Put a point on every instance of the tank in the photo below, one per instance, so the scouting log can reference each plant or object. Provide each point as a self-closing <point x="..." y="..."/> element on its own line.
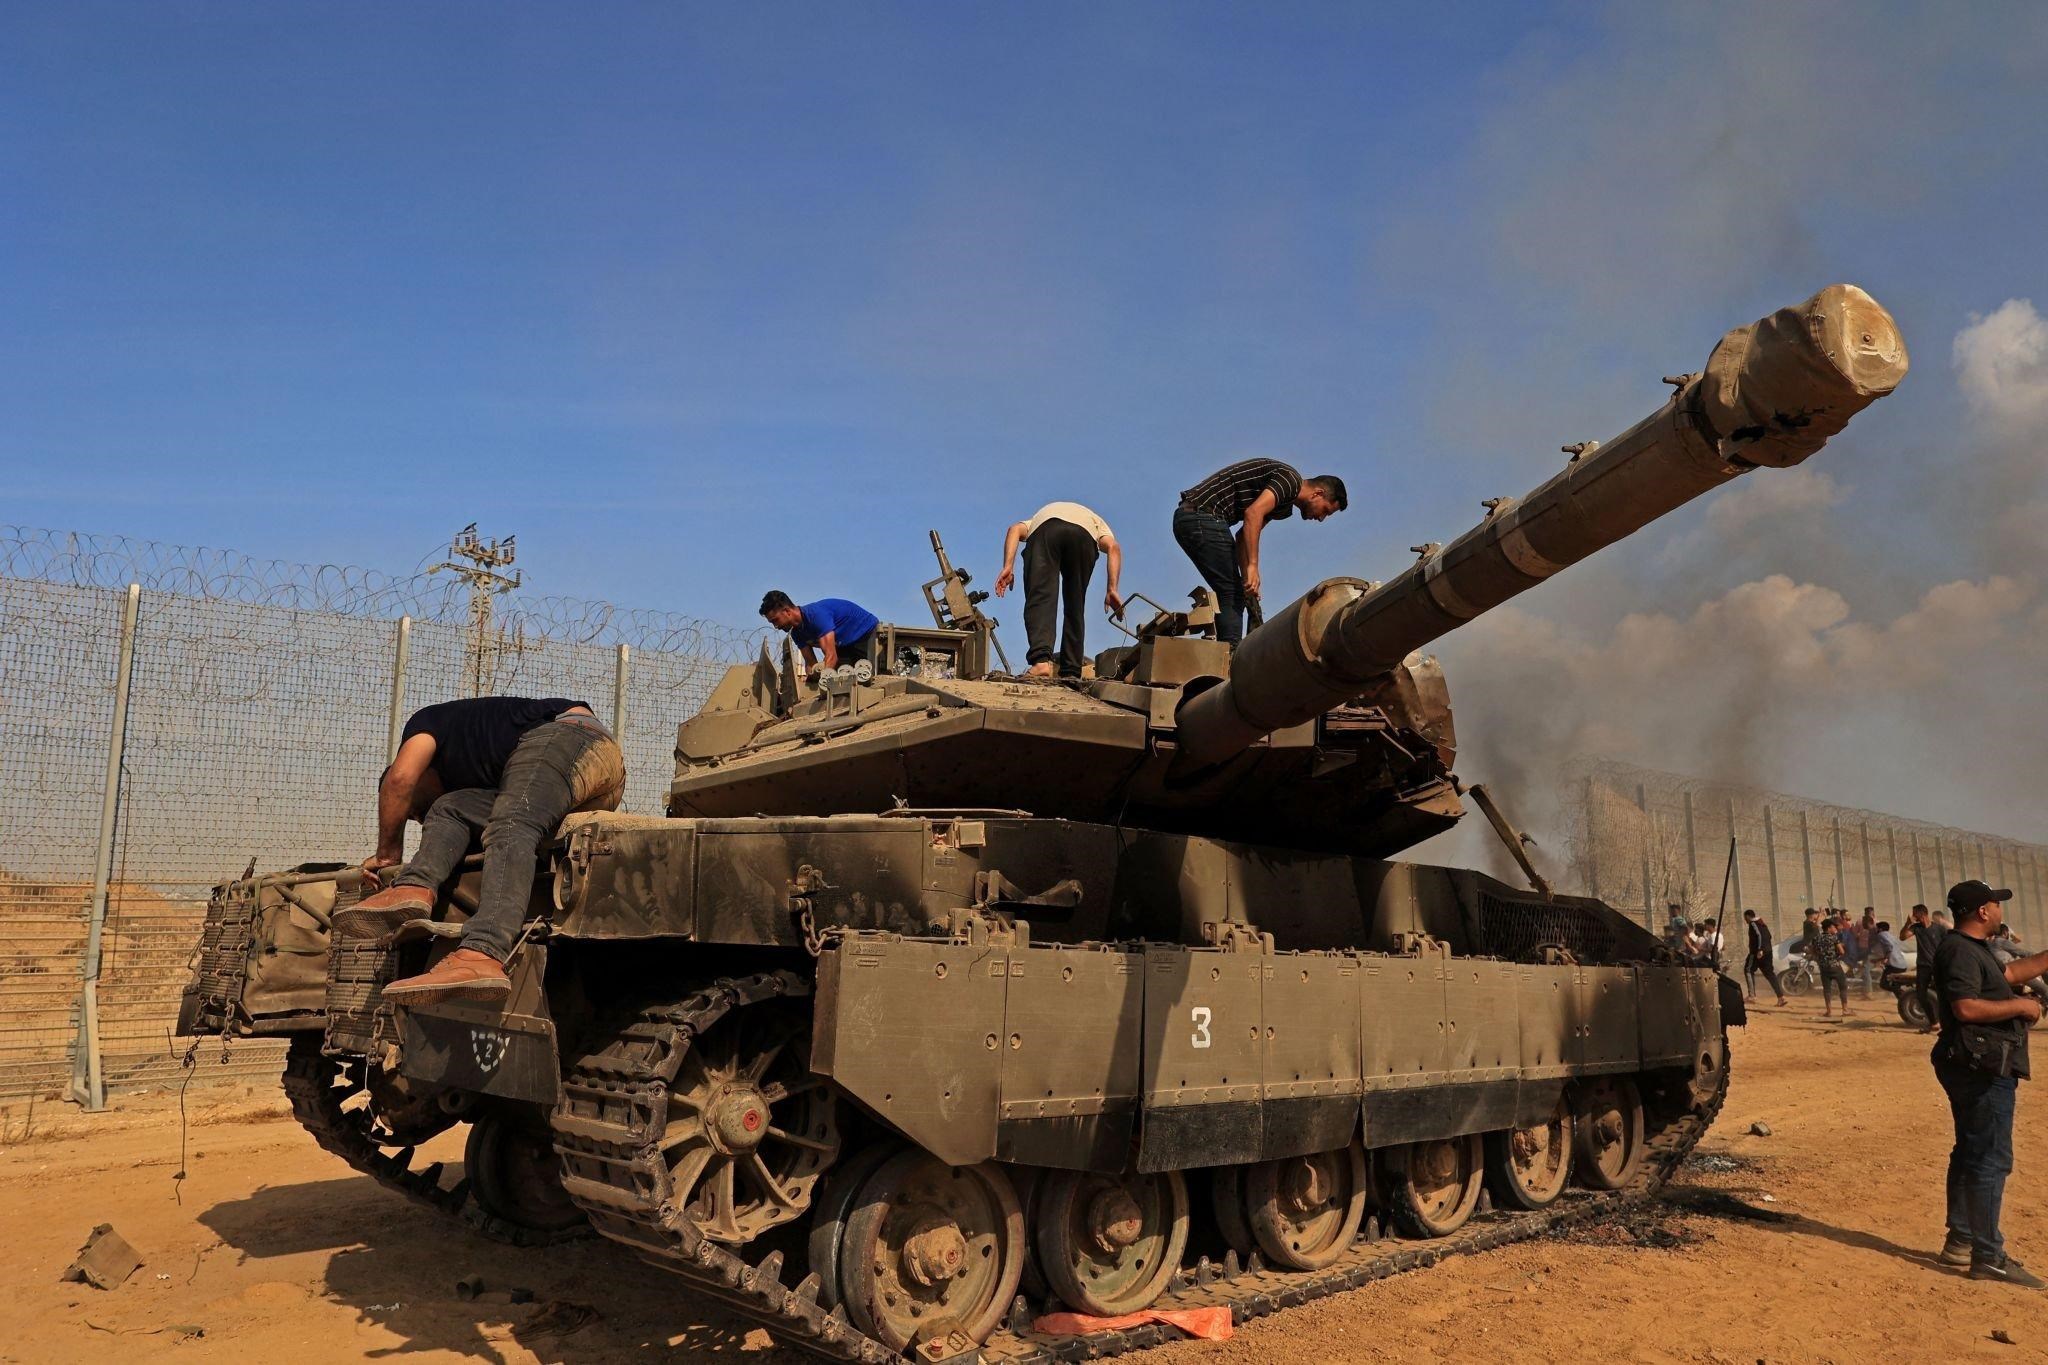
<point x="942" y="1006"/>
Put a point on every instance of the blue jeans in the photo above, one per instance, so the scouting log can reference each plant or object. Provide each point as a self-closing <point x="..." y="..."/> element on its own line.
<point x="1206" y="538"/>
<point x="1982" y="1107"/>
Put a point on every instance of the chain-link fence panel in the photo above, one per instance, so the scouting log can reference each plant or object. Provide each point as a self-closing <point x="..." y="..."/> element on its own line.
<point x="260" y="715"/>
<point x="58" y="644"/>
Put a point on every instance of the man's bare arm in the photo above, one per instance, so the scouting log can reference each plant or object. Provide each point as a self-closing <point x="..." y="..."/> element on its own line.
<point x="1114" y="599"/>
<point x="1012" y="538"/>
<point x="1248" y="537"/>
<point x="395" y="798"/>
<point x="829" y="644"/>
<point x="2021" y="970"/>
<point x="1974" y="1011"/>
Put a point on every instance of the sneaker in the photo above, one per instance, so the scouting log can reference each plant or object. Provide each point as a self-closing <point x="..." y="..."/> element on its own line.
<point x="1955" y="1250"/>
<point x="2006" y="1270"/>
<point x="464" y="974"/>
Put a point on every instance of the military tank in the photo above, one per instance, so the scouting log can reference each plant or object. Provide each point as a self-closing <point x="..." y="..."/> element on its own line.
<point x="940" y="998"/>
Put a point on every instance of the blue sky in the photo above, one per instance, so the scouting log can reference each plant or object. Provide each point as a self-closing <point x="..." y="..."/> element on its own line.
<point x="701" y="300"/>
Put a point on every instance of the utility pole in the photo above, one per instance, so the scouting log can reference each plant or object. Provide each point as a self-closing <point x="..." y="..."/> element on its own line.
<point x="482" y="572"/>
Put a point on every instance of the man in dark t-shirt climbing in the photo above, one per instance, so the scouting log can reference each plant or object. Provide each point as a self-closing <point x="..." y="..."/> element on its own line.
<point x="503" y="769"/>
<point x="1251" y="492"/>
<point x="1980" y="1059"/>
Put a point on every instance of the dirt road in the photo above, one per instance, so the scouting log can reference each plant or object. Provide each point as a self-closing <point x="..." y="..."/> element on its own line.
<point x="271" y="1250"/>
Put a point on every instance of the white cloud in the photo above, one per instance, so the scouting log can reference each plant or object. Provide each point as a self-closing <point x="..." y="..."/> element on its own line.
<point x="2001" y="362"/>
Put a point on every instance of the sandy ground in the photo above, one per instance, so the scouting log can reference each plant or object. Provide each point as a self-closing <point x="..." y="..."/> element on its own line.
<point x="272" y="1250"/>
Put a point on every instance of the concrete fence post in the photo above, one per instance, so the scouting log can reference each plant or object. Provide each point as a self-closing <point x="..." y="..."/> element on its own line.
<point x="401" y="652"/>
<point x="621" y="668"/>
<point x="1869" y="877"/>
<point x="1919" y="871"/>
<point x="1771" y="865"/>
<point x="1841" y="896"/>
<point x="1592" y="846"/>
<point x="1806" y="856"/>
<point x="1649" y="838"/>
<point x="1692" y="850"/>
<point x="88" y="1082"/>
<point x="1734" y="866"/>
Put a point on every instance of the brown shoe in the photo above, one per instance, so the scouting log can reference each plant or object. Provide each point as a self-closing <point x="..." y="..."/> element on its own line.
<point x="373" y="917"/>
<point x="416" y="901"/>
<point x="464" y="974"/>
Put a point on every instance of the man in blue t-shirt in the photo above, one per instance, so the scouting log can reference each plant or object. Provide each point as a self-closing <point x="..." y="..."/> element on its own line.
<point x="831" y="626"/>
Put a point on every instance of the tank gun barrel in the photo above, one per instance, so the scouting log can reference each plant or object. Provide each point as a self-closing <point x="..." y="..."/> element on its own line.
<point x="1772" y="394"/>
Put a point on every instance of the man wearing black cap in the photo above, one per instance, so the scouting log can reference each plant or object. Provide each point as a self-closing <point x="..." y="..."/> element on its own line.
<point x="1980" y="1060"/>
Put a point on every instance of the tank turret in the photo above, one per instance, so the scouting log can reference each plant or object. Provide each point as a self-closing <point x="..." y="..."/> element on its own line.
<point x="1326" y="729"/>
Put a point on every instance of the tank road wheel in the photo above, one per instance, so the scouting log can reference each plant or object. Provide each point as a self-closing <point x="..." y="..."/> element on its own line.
<point x="1610" y="1132"/>
<point x="513" y="1170"/>
<point x="1528" y="1168"/>
<point x="750" y="1129"/>
<point x="1027" y="1181"/>
<point x="931" y="1249"/>
<point x="1226" y="1201"/>
<point x="1305" y="1210"/>
<point x="831" y="1208"/>
<point x="1109" y="1244"/>
<point x="1432" y="1187"/>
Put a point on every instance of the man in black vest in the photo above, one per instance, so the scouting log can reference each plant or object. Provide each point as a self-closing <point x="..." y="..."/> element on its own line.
<point x="1980" y="1059"/>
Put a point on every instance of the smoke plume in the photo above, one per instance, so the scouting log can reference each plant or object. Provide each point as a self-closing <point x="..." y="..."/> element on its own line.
<point x="1922" y="699"/>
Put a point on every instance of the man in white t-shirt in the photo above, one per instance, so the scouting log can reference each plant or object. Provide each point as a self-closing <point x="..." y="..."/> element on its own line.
<point x="1061" y="542"/>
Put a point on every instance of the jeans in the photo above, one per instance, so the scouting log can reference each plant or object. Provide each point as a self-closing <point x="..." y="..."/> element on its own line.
<point x="1059" y="559"/>
<point x="559" y="767"/>
<point x="1834" y="979"/>
<point x="1982" y="1107"/>
<point x="1206" y="538"/>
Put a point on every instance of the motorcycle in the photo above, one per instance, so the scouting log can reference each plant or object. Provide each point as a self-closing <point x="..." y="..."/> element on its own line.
<point x="1913" y="1010"/>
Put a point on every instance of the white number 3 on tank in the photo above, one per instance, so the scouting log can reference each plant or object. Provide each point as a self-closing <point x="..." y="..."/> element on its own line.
<point x="1201" y="1016"/>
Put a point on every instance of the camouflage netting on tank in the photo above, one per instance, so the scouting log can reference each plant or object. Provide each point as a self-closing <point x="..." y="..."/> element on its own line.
<point x="258" y="720"/>
<point x="1631" y="828"/>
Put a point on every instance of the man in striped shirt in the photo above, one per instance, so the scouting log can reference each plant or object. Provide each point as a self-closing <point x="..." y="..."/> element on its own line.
<point x="1251" y="492"/>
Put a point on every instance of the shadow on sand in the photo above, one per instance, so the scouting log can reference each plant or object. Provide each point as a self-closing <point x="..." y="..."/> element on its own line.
<point x="396" y="1263"/>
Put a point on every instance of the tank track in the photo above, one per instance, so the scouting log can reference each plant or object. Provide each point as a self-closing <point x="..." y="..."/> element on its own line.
<point x="318" y="1106"/>
<point x="613" y="1111"/>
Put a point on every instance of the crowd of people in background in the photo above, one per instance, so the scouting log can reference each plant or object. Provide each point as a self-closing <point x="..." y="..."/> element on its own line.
<point x="1976" y="985"/>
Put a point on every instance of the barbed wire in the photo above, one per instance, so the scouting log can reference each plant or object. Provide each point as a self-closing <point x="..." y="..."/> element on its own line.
<point x="70" y="558"/>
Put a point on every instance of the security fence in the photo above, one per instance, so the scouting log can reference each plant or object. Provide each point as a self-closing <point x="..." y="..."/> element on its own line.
<point x="261" y="707"/>
<point x="1642" y="840"/>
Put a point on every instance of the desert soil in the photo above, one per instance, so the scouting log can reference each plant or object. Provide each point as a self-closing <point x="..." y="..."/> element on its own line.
<point x="271" y="1250"/>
